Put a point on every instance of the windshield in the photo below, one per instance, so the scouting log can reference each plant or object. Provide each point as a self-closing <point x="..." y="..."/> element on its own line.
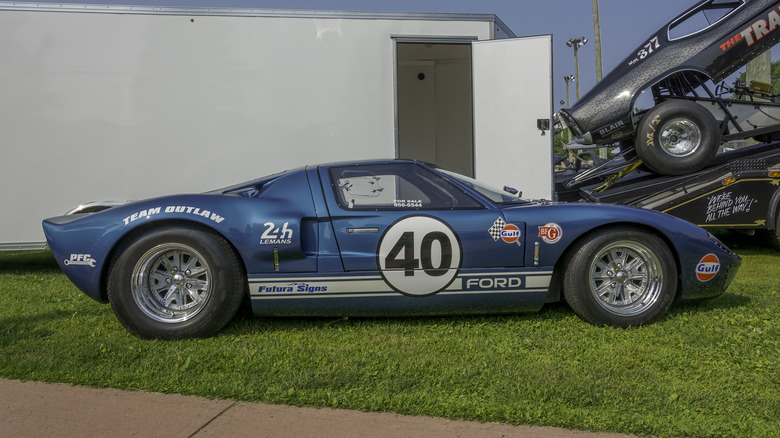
<point x="494" y="194"/>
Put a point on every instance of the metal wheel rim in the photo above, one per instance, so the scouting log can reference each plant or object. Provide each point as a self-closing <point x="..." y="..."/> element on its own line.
<point x="626" y="278"/>
<point x="680" y="137"/>
<point x="171" y="283"/>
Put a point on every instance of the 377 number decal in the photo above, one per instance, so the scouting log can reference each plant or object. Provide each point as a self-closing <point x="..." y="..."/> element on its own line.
<point x="648" y="48"/>
<point x="419" y="255"/>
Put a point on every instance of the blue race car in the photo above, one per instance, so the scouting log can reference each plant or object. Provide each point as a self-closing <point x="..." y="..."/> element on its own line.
<point x="393" y="237"/>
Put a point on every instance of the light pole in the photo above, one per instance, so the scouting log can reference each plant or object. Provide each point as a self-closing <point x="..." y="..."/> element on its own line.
<point x="577" y="43"/>
<point x="568" y="78"/>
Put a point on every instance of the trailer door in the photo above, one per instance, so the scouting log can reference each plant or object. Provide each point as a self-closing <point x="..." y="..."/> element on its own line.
<point x="512" y="92"/>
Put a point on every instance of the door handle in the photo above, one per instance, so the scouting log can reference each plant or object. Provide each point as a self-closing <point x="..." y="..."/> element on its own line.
<point x="363" y="230"/>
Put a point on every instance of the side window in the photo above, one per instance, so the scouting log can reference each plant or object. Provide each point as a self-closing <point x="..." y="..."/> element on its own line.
<point x="395" y="186"/>
<point x="704" y="17"/>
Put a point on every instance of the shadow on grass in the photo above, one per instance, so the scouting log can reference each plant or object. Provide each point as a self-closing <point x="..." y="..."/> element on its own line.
<point x="724" y="302"/>
<point x="23" y="262"/>
<point x="245" y="322"/>
<point x="16" y="329"/>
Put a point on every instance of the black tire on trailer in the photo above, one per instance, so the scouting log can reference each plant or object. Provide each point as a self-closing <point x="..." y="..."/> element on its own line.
<point x="773" y="236"/>
<point x="621" y="277"/>
<point x="677" y="137"/>
<point x="175" y="282"/>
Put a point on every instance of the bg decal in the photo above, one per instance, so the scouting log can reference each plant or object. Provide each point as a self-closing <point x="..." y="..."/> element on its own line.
<point x="551" y="232"/>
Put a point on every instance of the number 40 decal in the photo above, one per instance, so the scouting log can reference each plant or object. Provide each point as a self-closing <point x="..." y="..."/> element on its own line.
<point x="419" y="255"/>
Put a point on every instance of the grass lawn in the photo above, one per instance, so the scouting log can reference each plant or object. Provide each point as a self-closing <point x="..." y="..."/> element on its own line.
<point x="707" y="369"/>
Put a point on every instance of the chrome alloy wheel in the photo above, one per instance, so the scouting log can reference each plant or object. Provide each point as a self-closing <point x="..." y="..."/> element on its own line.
<point x="626" y="278"/>
<point x="680" y="137"/>
<point x="171" y="283"/>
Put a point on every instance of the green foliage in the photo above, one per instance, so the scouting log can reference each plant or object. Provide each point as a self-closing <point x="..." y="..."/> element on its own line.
<point x="707" y="369"/>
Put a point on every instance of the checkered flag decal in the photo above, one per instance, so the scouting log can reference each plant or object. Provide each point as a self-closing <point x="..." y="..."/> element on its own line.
<point x="495" y="230"/>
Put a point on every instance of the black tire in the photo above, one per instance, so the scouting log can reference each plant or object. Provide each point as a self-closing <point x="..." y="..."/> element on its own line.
<point x="677" y="137"/>
<point x="621" y="277"/>
<point x="773" y="236"/>
<point x="174" y="283"/>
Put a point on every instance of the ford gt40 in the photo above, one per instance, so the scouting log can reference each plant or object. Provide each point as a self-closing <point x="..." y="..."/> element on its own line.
<point x="380" y="238"/>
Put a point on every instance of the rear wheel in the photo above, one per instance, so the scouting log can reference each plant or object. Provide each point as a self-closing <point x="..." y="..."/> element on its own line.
<point x="175" y="283"/>
<point x="623" y="277"/>
<point x="677" y="137"/>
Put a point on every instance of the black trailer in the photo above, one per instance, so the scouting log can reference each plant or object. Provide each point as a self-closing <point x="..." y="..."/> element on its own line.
<point x="738" y="190"/>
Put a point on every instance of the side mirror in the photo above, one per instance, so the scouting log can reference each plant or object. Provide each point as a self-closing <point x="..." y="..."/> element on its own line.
<point x="513" y="191"/>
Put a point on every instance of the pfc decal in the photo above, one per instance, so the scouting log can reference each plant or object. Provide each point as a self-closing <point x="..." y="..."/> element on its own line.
<point x="551" y="232"/>
<point x="273" y="235"/>
<point x="510" y="234"/>
<point x="707" y="268"/>
<point x="419" y="255"/>
<point x="81" y="259"/>
<point x="149" y="212"/>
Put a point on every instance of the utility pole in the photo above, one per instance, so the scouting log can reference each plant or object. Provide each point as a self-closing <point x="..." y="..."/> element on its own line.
<point x="597" y="43"/>
<point x="597" y="39"/>
<point x="759" y="70"/>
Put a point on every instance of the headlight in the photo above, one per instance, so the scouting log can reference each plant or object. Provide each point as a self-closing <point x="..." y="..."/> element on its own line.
<point x="720" y="244"/>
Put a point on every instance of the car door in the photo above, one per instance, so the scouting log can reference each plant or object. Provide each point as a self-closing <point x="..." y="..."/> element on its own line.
<point x="415" y="227"/>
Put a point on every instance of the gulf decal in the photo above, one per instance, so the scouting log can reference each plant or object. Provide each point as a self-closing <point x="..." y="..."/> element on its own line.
<point x="551" y="232"/>
<point x="510" y="233"/>
<point x="708" y="267"/>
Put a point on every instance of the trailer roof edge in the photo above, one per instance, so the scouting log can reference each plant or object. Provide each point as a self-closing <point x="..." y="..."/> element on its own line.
<point x="246" y="12"/>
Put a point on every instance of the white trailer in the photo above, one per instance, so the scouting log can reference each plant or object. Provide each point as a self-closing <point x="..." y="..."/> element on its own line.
<point x="120" y="102"/>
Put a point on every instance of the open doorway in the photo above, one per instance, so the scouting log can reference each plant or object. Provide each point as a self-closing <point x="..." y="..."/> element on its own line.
<point x="434" y="110"/>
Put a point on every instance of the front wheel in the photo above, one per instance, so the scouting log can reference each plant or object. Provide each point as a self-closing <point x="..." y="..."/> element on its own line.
<point x="622" y="278"/>
<point x="677" y="137"/>
<point x="175" y="283"/>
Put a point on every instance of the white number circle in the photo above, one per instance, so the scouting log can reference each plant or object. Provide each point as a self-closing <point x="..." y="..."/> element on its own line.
<point x="419" y="255"/>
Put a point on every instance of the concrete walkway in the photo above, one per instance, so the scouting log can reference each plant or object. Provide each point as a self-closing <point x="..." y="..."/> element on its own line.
<point x="32" y="409"/>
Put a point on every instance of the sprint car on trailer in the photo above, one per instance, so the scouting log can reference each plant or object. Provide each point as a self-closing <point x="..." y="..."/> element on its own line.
<point x="393" y="237"/>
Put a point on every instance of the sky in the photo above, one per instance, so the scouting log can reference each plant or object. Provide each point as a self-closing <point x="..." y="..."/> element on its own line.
<point x="625" y="24"/>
